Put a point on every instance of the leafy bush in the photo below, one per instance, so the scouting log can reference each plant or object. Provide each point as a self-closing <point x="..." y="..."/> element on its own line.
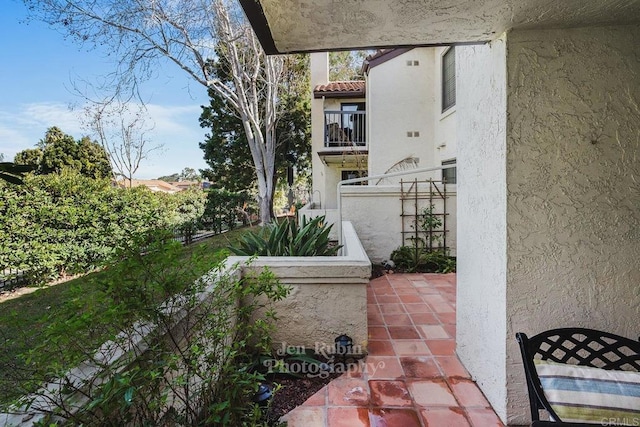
<point x="416" y="259"/>
<point x="67" y="223"/>
<point x="287" y="238"/>
<point x="192" y="370"/>
<point x="221" y="210"/>
<point x="186" y="209"/>
<point x="25" y="322"/>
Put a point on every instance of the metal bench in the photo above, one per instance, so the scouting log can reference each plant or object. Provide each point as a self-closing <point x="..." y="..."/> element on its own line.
<point x="571" y="349"/>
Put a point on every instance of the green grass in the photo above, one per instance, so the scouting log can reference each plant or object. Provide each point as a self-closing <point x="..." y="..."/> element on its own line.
<point x="77" y="315"/>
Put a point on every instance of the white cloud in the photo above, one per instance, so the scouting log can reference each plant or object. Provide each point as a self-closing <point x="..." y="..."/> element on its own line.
<point x="175" y="127"/>
<point x="174" y="119"/>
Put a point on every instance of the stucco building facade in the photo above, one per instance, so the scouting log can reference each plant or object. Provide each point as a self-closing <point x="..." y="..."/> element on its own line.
<point x="393" y="120"/>
<point x="547" y="140"/>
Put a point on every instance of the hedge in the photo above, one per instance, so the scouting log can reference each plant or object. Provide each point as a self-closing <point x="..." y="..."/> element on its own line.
<point x="66" y="223"/>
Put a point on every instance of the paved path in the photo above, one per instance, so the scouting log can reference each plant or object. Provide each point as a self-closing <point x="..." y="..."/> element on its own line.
<point x="412" y="377"/>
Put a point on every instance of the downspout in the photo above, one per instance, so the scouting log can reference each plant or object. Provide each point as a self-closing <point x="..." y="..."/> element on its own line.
<point x="371" y="178"/>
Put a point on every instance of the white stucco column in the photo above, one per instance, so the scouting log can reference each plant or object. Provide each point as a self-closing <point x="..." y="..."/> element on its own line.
<point x="319" y="64"/>
<point x="548" y="195"/>
<point x="482" y="212"/>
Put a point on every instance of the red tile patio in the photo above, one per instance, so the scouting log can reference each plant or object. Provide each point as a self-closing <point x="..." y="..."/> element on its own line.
<point x="411" y="377"/>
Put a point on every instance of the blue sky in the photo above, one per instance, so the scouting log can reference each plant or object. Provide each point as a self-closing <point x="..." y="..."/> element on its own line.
<point x="38" y="67"/>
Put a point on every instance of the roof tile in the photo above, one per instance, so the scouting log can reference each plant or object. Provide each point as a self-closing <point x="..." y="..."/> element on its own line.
<point x="355" y="88"/>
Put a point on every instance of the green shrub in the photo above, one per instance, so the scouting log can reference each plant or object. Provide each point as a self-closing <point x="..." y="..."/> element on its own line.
<point x="287" y="238"/>
<point x="186" y="209"/>
<point x="193" y="371"/>
<point x="221" y="210"/>
<point x="67" y="223"/>
<point x="417" y="259"/>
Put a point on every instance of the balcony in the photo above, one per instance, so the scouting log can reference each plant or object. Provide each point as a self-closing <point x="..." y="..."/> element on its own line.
<point x="345" y="129"/>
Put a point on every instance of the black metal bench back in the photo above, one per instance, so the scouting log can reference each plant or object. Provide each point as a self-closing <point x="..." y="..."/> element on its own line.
<point x="574" y="346"/>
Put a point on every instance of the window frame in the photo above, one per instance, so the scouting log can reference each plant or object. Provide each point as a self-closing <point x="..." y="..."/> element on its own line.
<point x="448" y="78"/>
<point x="454" y="171"/>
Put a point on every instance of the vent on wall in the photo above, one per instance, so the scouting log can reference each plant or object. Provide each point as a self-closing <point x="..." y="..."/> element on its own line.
<point x="412" y="63"/>
<point x="413" y="134"/>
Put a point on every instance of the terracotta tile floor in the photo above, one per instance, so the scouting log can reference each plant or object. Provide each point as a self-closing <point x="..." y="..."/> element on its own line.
<point x="411" y="377"/>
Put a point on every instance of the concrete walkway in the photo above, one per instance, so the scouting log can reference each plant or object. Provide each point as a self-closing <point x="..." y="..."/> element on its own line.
<point x="412" y="377"/>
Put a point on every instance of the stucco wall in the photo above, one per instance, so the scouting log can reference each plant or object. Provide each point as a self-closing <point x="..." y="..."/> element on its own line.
<point x="400" y="99"/>
<point x="328" y="295"/>
<point x="573" y="191"/>
<point x="319" y="64"/>
<point x="375" y="211"/>
<point x="375" y="214"/>
<point x="482" y="252"/>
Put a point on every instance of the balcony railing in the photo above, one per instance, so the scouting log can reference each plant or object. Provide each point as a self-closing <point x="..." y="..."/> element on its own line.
<point x="345" y="129"/>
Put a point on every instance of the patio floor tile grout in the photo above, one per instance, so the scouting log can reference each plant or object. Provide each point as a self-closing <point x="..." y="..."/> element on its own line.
<point x="412" y="376"/>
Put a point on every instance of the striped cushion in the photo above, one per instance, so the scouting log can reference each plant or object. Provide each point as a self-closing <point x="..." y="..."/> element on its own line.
<point x="591" y="395"/>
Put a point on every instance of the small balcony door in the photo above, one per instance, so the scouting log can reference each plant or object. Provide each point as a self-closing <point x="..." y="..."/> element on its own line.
<point x="354" y="124"/>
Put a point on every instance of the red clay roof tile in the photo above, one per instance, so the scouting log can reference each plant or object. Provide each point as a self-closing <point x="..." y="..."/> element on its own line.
<point x="355" y="88"/>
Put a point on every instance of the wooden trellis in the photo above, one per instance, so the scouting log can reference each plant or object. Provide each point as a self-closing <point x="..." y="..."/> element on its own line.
<point x="424" y="214"/>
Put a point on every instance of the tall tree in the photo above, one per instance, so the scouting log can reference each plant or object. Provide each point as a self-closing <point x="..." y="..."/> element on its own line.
<point x="140" y="33"/>
<point x="30" y="157"/>
<point x="122" y="134"/>
<point x="226" y="150"/>
<point x="190" y="174"/>
<point x="187" y="174"/>
<point x="60" y="151"/>
<point x="347" y="65"/>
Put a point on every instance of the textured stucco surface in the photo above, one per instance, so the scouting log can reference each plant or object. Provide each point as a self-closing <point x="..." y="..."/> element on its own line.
<point x="319" y="64"/>
<point x="400" y="99"/>
<point x="573" y="186"/>
<point x="482" y="251"/>
<point x="328" y="294"/>
<point x="328" y="172"/>
<point x="405" y="98"/>
<point x="375" y="214"/>
<point x="329" y="24"/>
<point x="375" y="211"/>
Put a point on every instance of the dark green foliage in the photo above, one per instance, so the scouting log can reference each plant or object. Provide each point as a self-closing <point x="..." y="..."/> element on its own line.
<point x="223" y="208"/>
<point x="59" y="151"/>
<point x="24" y="321"/>
<point x="94" y="159"/>
<point x="412" y="259"/>
<point x="187" y="208"/>
<point x="226" y="149"/>
<point x="29" y="156"/>
<point x="287" y="238"/>
<point x="67" y="223"/>
<point x="425" y="255"/>
<point x="191" y="371"/>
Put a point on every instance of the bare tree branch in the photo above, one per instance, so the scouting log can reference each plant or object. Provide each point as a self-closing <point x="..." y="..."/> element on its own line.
<point x="196" y="35"/>
<point x="122" y="133"/>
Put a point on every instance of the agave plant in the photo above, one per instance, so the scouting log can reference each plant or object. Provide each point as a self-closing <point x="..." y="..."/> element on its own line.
<point x="288" y="238"/>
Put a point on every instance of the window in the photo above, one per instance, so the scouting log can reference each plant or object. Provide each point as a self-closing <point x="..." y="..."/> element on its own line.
<point x="448" y="79"/>
<point x="347" y="174"/>
<point x="449" y="175"/>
